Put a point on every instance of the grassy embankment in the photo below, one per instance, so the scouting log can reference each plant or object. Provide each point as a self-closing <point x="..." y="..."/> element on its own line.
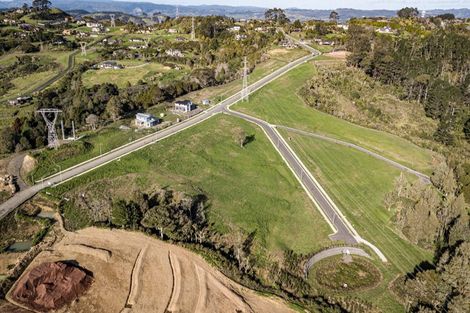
<point x="279" y="104"/>
<point x="250" y="188"/>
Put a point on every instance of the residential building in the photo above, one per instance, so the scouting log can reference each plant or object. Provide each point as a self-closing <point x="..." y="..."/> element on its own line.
<point x="174" y="53"/>
<point x="145" y="120"/>
<point x="184" y="106"/>
<point x="110" y="65"/>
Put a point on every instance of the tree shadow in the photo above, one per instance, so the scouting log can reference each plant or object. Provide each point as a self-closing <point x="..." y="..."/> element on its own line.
<point x="249" y="139"/>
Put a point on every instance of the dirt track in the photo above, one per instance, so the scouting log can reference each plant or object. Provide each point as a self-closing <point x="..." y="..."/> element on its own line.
<point x="144" y="274"/>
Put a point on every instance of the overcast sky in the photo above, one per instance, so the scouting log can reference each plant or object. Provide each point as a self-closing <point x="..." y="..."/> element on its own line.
<point x="330" y="4"/>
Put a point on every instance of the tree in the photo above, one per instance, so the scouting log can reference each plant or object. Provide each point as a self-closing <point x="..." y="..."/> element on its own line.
<point x="408" y="13"/>
<point x="114" y="108"/>
<point x="297" y="24"/>
<point x="239" y="136"/>
<point x="334" y="16"/>
<point x="119" y="216"/>
<point x="276" y="15"/>
<point x="7" y="140"/>
<point x="41" y="4"/>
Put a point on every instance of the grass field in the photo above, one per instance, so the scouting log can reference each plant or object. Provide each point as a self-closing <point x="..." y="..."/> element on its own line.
<point x="277" y="58"/>
<point x="248" y="187"/>
<point x="132" y="73"/>
<point x="278" y="103"/>
<point x="357" y="183"/>
<point x="102" y="141"/>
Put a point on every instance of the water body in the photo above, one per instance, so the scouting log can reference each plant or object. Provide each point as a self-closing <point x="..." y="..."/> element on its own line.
<point x="46" y="214"/>
<point x="20" y="246"/>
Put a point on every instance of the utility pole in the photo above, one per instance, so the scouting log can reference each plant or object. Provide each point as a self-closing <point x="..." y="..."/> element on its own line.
<point x="52" y="140"/>
<point x="245" y="80"/>
<point x="113" y="21"/>
<point x="62" y="126"/>
<point x="83" y="47"/>
<point x="73" y="130"/>
<point x="193" y="30"/>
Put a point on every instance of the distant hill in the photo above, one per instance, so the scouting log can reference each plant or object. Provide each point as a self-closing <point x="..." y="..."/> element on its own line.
<point x="138" y="8"/>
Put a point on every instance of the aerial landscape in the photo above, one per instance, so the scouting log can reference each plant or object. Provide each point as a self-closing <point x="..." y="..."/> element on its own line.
<point x="234" y="156"/>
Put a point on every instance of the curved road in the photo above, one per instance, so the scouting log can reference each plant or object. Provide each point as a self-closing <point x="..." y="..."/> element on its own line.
<point x="343" y="229"/>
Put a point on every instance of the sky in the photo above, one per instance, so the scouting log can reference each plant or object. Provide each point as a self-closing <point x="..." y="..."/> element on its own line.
<point x="330" y="4"/>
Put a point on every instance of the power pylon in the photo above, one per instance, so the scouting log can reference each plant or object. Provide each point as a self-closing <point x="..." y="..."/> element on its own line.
<point x="245" y="91"/>
<point x="177" y="15"/>
<point x="83" y="47"/>
<point x="52" y="139"/>
<point x="113" y="21"/>
<point x="193" y="29"/>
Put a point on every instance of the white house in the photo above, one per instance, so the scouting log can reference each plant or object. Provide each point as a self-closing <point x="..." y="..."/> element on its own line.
<point x="110" y="65"/>
<point x="234" y="29"/>
<point x="174" y="53"/>
<point x="184" y="106"/>
<point x="145" y="120"/>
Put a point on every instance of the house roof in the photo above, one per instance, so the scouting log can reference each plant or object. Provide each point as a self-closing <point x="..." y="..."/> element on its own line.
<point x="184" y="102"/>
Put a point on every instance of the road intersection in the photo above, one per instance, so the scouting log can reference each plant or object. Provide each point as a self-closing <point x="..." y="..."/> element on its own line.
<point x="343" y="230"/>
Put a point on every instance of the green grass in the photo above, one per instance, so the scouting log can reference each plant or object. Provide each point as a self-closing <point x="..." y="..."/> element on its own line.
<point x="249" y="187"/>
<point x="102" y="141"/>
<point x="278" y="103"/>
<point x="357" y="184"/>
<point x="333" y="273"/>
<point x="133" y="72"/>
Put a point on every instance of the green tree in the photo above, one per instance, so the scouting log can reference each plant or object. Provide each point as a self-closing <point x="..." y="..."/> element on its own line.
<point x="408" y="13"/>
<point x="334" y="16"/>
<point x="276" y="15"/>
<point x="41" y="4"/>
<point x="119" y="214"/>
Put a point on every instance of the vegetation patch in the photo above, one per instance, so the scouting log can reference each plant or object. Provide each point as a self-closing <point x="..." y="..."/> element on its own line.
<point x="338" y="274"/>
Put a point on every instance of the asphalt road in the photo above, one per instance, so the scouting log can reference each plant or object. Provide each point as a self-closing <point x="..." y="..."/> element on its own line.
<point x="82" y="168"/>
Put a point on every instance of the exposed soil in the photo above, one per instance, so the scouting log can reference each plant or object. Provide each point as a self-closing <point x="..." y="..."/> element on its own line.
<point x="338" y="54"/>
<point x="136" y="273"/>
<point x="50" y="286"/>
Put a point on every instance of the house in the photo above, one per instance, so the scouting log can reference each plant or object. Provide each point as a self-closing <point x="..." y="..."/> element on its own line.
<point x="206" y="102"/>
<point x="174" y="53"/>
<point x="172" y="31"/>
<point x="239" y="37"/>
<point x="234" y="29"/>
<point x="288" y="44"/>
<point x="385" y="30"/>
<point x="92" y="25"/>
<point x="184" y="106"/>
<point x="145" y="120"/>
<point x="20" y="100"/>
<point x="110" y="65"/>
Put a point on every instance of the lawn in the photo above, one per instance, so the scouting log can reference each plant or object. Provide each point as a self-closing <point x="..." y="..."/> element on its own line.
<point x="278" y="103"/>
<point x="132" y="73"/>
<point x="357" y="183"/>
<point x="249" y="187"/>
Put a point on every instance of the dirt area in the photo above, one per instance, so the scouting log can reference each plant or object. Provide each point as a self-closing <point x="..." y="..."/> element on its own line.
<point x="136" y="273"/>
<point x="341" y="55"/>
<point x="8" y="260"/>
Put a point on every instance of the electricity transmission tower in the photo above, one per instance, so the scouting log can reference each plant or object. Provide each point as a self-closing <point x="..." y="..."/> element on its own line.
<point x="245" y="80"/>
<point x="52" y="139"/>
<point x="177" y="15"/>
<point x="113" y="21"/>
<point x="193" y="29"/>
<point x="83" y="47"/>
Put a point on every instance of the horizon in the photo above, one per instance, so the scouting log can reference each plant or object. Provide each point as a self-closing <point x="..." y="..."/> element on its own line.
<point x="320" y="5"/>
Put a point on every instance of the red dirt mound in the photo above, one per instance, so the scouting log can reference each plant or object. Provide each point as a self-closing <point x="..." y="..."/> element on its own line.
<point x="50" y="286"/>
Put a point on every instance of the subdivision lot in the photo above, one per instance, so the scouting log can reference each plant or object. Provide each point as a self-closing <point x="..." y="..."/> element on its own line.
<point x="249" y="188"/>
<point x="278" y="103"/>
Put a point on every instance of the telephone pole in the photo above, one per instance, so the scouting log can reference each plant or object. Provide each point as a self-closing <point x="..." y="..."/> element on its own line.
<point x="73" y="130"/>
<point x="62" y="127"/>
<point x="52" y="139"/>
<point x="193" y="30"/>
<point x="113" y="22"/>
<point x="245" y="80"/>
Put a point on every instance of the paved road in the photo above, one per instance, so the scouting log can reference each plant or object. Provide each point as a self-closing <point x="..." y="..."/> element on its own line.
<point x="115" y="154"/>
<point x="14" y="169"/>
<point x="52" y="80"/>
<point x="332" y="252"/>
<point x="420" y="175"/>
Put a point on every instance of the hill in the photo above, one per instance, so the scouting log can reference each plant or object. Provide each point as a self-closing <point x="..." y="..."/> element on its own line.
<point x="139" y="8"/>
